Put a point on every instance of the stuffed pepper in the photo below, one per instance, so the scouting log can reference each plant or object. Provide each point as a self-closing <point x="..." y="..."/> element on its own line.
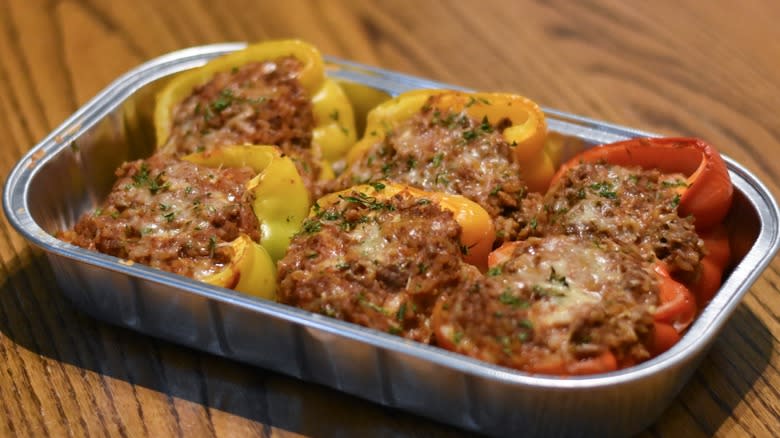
<point x="554" y="305"/>
<point x="380" y="255"/>
<point x="488" y="147"/>
<point x="271" y="93"/>
<point x="668" y="195"/>
<point x="212" y="217"/>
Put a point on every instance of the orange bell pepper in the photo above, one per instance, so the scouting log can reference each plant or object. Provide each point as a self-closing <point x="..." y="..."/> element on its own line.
<point x="708" y="192"/>
<point x="477" y="234"/>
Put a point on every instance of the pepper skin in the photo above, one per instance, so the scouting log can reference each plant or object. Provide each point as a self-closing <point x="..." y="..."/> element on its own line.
<point x="477" y="233"/>
<point x="527" y="132"/>
<point x="334" y="132"/>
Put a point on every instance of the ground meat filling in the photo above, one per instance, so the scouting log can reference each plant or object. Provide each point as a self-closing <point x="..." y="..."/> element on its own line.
<point x="557" y="302"/>
<point x="454" y="153"/>
<point x="380" y="264"/>
<point x="259" y="103"/>
<point x="629" y="206"/>
<point x="172" y="215"/>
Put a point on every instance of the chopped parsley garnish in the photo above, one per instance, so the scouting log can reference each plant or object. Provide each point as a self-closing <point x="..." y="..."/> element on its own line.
<point x="510" y="300"/>
<point x="335" y="115"/>
<point x="495" y="190"/>
<point x="469" y="135"/>
<point x="604" y="189"/>
<point x="485" y="125"/>
<point x="526" y="323"/>
<point x="675" y="183"/>
<point x="311" y="226"/>
<point x="675" y="201"/>
<point x="330" y="215"/>
<point x="437" y="159"/>
<point x="367" y="201"/>
<point x="212" y="245"/>
<point x="169" y="216"/>
<point x="224" y="100"/>
<point x="378" y="186"/>
<point x="555" y="278"/>
<point x="142" y="178"/>
<point x="363" y="301"/>
<point x="401" y="312"/>
<point x="456" y="337"/>
<point x="494" y="271"/>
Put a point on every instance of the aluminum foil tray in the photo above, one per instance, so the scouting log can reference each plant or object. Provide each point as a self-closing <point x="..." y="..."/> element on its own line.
<point x="72" y="170"/>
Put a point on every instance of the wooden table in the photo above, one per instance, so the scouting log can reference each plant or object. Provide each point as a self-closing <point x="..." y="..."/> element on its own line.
<point x="710" y="69"/>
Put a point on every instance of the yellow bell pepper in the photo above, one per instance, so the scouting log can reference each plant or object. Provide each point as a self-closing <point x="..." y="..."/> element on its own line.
<point x="334" y="130"/>
<point x="280" y="203"/>
<point x="478" y="232"/>
<point x="526" y="134"/>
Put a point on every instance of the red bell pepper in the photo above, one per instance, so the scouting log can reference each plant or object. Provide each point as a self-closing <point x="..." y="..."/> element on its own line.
<point x="708" y="192"/>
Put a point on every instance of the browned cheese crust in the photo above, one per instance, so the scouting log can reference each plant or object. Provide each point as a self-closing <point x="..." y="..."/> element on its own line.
<point x="259" y="103"/>
<point x="380" y="264"/>
<point x="453" y="153"/>
<point x="558" y="301"/>
<point x="629" y="206"/>
<point x="172" y="215"/>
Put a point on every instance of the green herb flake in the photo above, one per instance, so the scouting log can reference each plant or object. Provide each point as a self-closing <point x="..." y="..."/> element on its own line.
<point x="469" y="135"/>
<point x="604" y="189"/>
<point x="675" y="183"/>
<point x="399" y="316"/>
<point x="378" y="186"/>
<point x="556" y="278"/>
<point x="212" y="245"/>
<point x="485" y="125"/>
<point x="457" y="337"/>
<point x="224" y="100"/>
<point x="510" y="300"/>
<point x="494" y="271"/>
<point x="675" y="201"/>
<point x="379" y="309"/>
<point x="311" y="226"/>
<point x="436" y="162"/>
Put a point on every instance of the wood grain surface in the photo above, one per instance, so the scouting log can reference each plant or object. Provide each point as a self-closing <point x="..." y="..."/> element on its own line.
<point x="710" y="69"/>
